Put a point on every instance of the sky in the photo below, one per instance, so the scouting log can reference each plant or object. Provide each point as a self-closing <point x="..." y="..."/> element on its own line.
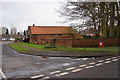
<point x="24" y="13"/>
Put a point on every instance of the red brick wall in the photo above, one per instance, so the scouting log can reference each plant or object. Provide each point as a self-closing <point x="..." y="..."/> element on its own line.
<point x="45" y="39"/>
<point x="64" y="42"/>
<point x="95" y="42"/>
<point x="42" y="39"/>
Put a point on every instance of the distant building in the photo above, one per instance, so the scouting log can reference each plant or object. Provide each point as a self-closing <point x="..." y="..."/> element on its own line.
<point x="13" y="30"/>
<point x="41" y="33"/>
<point x="3" y="30"/>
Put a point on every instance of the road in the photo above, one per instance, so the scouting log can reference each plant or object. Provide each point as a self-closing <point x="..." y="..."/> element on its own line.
<point x="17" y="65"/>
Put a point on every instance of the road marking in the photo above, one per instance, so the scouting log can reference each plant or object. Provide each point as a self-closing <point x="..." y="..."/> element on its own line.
<point x="114" y="57"/>
<point x="107" y="62"/>
<point x="44" y="78"/>
<point x="115" y="60"/>
<point x="55" y="72"/>
<point x="61" y="74"/>
<point x="47" y="77"/>
<point x="82" y="65"/>
<point x="38" y="76"/>
<point x="92" y="63"/>
<point x="101" y="61"/>
<point x="99" y="64"/>
<point x="90" y="66"/>
<point x="70" y="68"/>
<point x="3" y="75"/>
<point x="107" y="59"/>
<point x="76" y="70"/>
<point x="87" y="67"/>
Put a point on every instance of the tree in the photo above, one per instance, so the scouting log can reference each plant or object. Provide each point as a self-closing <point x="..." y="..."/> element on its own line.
<point x="102" y="16"/>
<point x="118" y="18"/>
<point x="7" y="31"/>
<point x="18" y="33"/>
<point x="24" y="33"/>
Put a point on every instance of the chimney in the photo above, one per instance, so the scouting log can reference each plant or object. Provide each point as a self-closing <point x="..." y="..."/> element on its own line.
<point x="33" y="24"/>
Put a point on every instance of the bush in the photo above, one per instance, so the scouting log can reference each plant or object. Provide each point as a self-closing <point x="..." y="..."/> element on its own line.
<point x="17" y="39"/>
<point x="26" y="40"/>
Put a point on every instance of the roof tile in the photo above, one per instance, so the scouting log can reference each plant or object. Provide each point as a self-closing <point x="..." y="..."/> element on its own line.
<point x="51" y="30"/>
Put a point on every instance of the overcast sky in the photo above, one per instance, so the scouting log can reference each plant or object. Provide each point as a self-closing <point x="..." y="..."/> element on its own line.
<point x="23" y="13"/>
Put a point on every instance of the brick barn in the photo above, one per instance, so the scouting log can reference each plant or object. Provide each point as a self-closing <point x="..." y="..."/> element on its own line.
<point x="41" y="34"/>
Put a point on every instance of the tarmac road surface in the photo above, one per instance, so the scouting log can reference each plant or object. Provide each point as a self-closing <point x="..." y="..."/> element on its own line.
<point x="17" y="65"/>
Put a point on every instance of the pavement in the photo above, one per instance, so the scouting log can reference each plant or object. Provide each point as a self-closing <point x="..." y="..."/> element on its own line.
<point x="17" y="65"/>
<point x="49" y="53"/>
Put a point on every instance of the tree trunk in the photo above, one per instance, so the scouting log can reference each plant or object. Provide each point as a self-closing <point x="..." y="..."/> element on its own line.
<point x="102" y="7"/>
<point x="118" y="20"/>
<point x="112" y="31"/>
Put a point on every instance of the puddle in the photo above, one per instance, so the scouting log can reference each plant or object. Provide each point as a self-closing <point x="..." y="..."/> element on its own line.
<point x="71" y="58"/>
<point x="66" y="64"/>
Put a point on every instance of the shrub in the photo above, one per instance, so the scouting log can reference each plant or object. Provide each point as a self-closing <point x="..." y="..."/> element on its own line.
<point x="26" y="40"/>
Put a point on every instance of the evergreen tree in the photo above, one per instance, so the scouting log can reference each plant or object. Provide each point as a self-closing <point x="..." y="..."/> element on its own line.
<point x="7" y="31"/>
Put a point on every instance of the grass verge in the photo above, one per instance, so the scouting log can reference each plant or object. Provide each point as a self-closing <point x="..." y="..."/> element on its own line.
<point x="19" y="48"/>
<point x="61" y="48"/>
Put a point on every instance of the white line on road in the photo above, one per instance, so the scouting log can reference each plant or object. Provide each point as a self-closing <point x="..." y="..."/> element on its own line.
<point x="44" y="78"/>
<point x="70" y="68"/>
<point x="92" y="63"/>
<point x="108" y="59"/>
<point x="87" y="67"/>
<point x="82" y="65"/>
<point x="114" y="57"/>
<point x="38" y="76"/>
<point x="101" y="61"/>
<point x="55" y="72"/>
<point x="115" y="60"/>
<point x="90" y="66"/>
<point x="107" y="62"/>
<point x="99" y="64"/>
<point x="47" y="77"/>
<point x="61" y="74"/>
<point x="76" y="70"/>
<point x="3" y="75"/>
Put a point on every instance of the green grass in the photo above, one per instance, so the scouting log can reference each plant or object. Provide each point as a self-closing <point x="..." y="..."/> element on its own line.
<point x="36" y="46"/>
<point x="60" y="48"/>
<point x="19" y="48"/>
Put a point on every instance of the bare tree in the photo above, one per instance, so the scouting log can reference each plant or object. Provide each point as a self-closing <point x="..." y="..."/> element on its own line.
<point x="102" y="16"/>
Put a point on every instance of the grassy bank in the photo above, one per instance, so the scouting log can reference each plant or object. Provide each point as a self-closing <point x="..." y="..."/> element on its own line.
<point x="19" y="48"/>
<point x="60" y="48"/>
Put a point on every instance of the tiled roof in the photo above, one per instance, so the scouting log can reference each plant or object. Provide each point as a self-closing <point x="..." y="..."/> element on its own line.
<point x="51" y="30"/>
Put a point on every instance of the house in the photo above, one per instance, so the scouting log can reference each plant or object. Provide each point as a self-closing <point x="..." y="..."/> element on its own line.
<point x="39" y="34"/>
